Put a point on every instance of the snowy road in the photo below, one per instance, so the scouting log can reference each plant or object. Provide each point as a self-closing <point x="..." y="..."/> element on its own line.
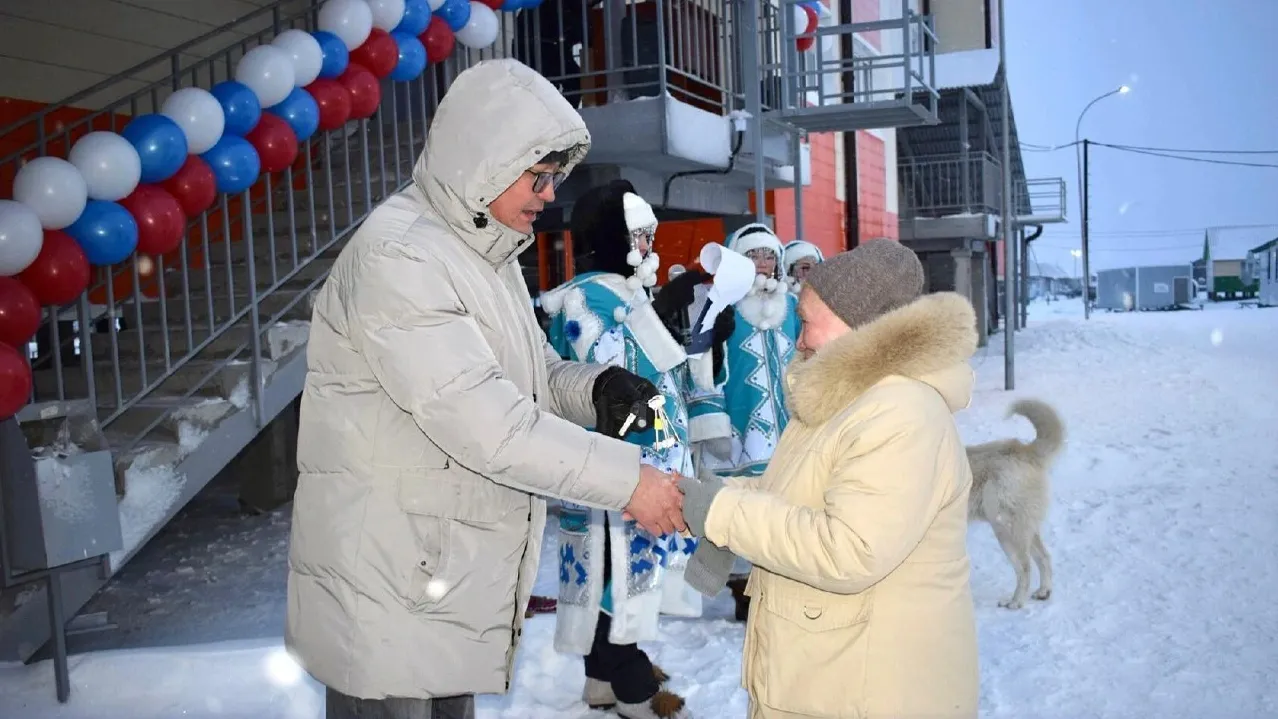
<point x="1162" y="532"/>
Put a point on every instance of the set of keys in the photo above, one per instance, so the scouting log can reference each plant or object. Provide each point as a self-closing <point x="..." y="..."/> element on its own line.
<point x="660" y="422"/>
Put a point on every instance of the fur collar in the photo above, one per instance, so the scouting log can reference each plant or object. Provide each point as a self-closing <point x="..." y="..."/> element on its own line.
<point x="924" y="339"/>
<point x="765" y="309"/>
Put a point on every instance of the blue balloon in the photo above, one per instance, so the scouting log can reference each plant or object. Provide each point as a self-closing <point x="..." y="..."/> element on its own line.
<point x="239" y="104"/>
<point x="412" y="57"/>
<point x="456" y="13"/>
<point x="300" y="111"/>
<point x="235" y="164"/>
<point x="336" y="56"/>
<point x="160" y="143"/>
<point x="416" y="18"/>
<point x="513" y="5"/>
<point x="106" y="232"/>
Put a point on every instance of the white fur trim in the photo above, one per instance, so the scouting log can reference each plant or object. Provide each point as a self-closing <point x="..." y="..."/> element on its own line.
<point x="651" y="336"/>
<point x="770" y="285"/>
<point x="633" y="258"/>
<point x="638" y="212"/>
<point x="765" y="239"/>
<point x="765" y="310"/>
<point x="619" y="313"/>
<point x="799" y="249"/>
<point x="574" y="309"/>
<point x="634" y="282"/>
<point x="701" y="367"/>
<point x="552" y="301"/>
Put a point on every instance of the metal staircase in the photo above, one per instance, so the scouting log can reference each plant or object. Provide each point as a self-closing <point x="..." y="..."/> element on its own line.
<point x="176" y="363"/>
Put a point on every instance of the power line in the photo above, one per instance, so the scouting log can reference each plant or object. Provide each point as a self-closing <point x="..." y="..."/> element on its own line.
<point x="1187" y="158"/>
<point x="1168" y="248"/>
<point x="1200" y="152"/>
<point x="1039" y="147"/>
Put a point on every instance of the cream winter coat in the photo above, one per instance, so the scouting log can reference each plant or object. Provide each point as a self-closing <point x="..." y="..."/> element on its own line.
<point x="431" y="418"/>
<point x="860" y="604"/>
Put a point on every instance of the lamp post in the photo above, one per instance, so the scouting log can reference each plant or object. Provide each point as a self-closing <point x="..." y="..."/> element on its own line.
<point x="1081" y="162"/>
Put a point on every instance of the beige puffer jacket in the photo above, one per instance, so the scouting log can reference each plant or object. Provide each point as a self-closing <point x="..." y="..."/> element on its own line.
<point x="431" y="418"/>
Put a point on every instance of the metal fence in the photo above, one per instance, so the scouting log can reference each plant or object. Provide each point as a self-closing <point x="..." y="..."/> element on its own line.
<point x="153" y="332"/>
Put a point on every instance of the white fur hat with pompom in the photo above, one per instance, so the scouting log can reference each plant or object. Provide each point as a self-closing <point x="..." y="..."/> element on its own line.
<point x="639" y="214"/>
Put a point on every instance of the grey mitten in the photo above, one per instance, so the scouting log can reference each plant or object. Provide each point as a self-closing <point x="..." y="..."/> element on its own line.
<point x="698" y="495"/>
<point x="708" y="568"/>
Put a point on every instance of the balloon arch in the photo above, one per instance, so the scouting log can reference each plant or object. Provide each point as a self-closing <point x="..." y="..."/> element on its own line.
<point x="133" y="192"/>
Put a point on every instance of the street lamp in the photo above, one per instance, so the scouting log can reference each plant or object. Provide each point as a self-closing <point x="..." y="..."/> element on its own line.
<point x="1081" y="162"/>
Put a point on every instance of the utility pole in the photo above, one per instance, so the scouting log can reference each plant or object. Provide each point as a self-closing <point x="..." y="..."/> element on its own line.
<point x="1087" y="275"/>
<point x="1008" y="210"/>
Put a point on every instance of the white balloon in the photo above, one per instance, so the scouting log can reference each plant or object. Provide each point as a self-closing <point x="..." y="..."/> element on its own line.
<point x="21" y="237"/>
<point x="200" y="116"/>
<point x="54" y="189"/>
<point x="304" y="50"/>
<point x="108" y="163"/>
<point x="268" y="72"/>
<point x="386" y="13"/>
<point x="350" y="20"/>
<point x="481" y="29"/>
<point x="800" y="19"/>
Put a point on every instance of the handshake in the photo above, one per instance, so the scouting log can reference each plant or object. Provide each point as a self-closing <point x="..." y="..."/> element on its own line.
<point x="666" y="503"/>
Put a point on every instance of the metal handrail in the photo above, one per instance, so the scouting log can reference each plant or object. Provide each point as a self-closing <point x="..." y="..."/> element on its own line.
<point x="125" y="74"/>
<point x="199" y="320"/>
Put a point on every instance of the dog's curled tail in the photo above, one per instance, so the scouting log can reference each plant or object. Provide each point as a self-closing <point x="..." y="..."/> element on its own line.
<point x="1049" y="430"/>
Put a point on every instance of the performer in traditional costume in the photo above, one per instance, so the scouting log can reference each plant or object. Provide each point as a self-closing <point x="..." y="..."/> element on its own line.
<point x="798" y="259"/>
<point x="615" y="578"/>
<point x="750" y="406"/>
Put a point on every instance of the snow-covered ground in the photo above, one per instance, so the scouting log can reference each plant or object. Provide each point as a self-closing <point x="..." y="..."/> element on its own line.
<point x="1163" y="533"/>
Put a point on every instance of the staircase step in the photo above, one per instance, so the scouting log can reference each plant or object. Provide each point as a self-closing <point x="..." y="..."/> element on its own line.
<point x="185" y="420"/>
<point x="199" y="314"/>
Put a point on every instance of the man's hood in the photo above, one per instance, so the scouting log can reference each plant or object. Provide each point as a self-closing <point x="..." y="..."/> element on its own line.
<point x="929" y="340"/>
<point x="496" y="120"/>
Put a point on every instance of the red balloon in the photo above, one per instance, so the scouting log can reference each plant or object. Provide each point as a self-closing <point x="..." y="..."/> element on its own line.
<point x="15" y="382"/>
<point x="805" y="43"/>
<point x="161" y="223"/>
<point x="334" y="103"/>
<point x="274" y="141"/>
<point x="438" y="40"/>
<point x="379" y="53"/>
<point x="364" y="89"/>
<point x="60" y="272"/>
<point x="494" y="4"/>
<point x="19" y="313"/>
<point x="193" y="186"/>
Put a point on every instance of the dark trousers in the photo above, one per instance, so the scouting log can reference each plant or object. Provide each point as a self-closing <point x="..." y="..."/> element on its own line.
<point x="625" y="666"/>
<point x="340" y="706"/>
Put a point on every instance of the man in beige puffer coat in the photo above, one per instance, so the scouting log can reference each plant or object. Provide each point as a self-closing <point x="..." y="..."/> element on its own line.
<point x="435" y="418"/>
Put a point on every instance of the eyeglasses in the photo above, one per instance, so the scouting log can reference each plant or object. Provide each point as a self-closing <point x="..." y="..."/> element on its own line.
<point x="760" y="254"/>
<point x="542" y="179"/>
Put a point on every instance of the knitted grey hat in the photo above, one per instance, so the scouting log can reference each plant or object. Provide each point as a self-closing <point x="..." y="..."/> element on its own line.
<point x="869" y="281"/>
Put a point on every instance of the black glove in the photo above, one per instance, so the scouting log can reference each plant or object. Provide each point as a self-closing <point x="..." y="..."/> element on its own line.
<point x="618" y="393"/>
<point x="677" y="296"/>
<point x="724" y="325"/>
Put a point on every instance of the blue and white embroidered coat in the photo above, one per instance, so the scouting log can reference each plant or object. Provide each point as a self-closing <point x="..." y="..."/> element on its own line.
<point x="750" y="405"/>
<point x="600" y="318"/>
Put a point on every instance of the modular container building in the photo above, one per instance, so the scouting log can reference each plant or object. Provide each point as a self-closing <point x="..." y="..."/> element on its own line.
<point x="1161" y="287"/>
